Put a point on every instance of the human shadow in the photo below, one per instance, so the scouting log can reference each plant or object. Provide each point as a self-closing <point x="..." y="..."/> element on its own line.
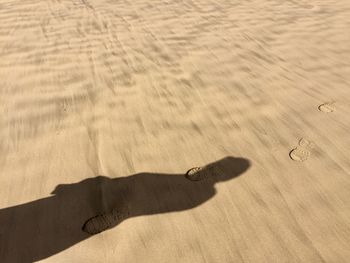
<point x="39" y="229"/>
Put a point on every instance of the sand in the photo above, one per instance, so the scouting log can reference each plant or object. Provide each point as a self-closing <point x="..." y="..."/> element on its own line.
<point x="106" y="104"/>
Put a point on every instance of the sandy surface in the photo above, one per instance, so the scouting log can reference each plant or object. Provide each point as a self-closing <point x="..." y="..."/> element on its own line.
<point x="138" y="92"/>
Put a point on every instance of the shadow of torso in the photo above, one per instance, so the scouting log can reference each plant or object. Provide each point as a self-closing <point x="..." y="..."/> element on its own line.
<point x="145" y="194"/>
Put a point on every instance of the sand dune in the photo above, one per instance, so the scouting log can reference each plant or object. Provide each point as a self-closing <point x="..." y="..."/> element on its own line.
<point x="121" y="88"/>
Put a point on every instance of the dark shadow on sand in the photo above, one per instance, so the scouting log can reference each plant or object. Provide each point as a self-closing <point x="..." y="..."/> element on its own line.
<point x="37" y="230"/>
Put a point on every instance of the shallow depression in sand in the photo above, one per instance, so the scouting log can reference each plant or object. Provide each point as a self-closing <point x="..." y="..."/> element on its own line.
<point x="299" y="154"/>
<point x="195" y="174"/>
<point x="100" y="223"/>
<point x="327" y="107"/>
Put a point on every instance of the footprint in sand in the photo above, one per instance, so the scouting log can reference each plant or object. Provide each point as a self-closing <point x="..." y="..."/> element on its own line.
<point x="201" y="173"/>
<point x="99" y="223"/>
<point x="302" y="152"/>
<point x="306" y="143"/>
<point x="299" y="154"/>
<point x="195" y="174"/>
<point x="327" y="107"/>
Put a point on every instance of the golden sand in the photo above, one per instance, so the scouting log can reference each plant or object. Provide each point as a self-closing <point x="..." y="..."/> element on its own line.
<point x="148" y="89"/>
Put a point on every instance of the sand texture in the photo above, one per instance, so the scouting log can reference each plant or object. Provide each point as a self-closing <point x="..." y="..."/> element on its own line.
<point x="106" y="104"/>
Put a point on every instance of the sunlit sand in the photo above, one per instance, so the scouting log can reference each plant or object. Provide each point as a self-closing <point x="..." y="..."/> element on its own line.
<point x="105" y="105"/>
